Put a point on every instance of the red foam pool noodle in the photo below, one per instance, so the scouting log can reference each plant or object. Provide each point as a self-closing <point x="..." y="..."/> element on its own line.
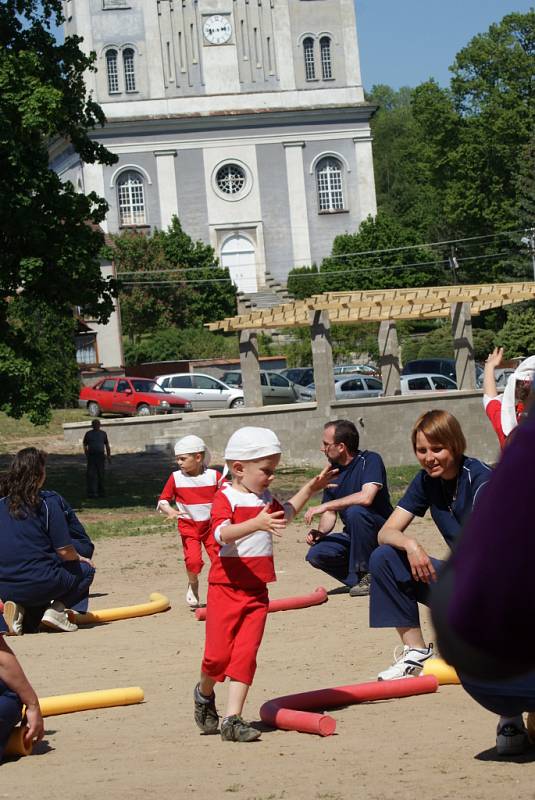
<point x="294" y="711"/>
<point x="315" y="598"/>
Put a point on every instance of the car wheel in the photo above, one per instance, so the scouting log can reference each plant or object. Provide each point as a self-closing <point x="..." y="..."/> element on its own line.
<point x="143" y="410"/>
<point x="239" y="402"/>
<point x="93" y="409"/>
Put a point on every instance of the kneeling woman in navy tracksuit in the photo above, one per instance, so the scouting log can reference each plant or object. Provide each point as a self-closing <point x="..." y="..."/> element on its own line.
<point x="40" y="568"/>
<point x="448" y="486"/>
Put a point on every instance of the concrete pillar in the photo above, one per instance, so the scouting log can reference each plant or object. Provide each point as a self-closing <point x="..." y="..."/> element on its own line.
<point x="463" y="345"/>
<point x="250" y="369"/>
<point x="297" y="197"/>
<point x="165" y="168"/>
<point x="389" y="357"/>
<point x="322" y="358"/>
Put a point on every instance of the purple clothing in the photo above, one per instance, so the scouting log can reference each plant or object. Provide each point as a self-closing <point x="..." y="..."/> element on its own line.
<point x="484" y="602"/>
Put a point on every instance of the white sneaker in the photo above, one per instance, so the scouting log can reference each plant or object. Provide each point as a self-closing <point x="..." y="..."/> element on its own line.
<point x="56" y="618"/>
<point x="408" y="663"/>
<point x="192" y="596"/>
<point x="511" y="739"/>
<point x="13" y="616"/>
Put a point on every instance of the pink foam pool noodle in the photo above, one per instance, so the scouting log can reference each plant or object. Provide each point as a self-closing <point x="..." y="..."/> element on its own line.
<point x="294" y="711"/>
<point x="315" y="598"/>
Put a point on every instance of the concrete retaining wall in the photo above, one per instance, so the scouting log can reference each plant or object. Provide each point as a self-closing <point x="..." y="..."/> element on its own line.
<point x="384" y="425"/>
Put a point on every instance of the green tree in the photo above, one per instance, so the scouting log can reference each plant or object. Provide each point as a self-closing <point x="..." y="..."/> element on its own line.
<point x="169" y="280"/>
<point x="304" y="282"/>
<point x="518" y="334"/>
<point x="402" y="164"/>
<point x="49" y="240"/>
<point x="173" y="344"/>
<point x="353" y="265"/>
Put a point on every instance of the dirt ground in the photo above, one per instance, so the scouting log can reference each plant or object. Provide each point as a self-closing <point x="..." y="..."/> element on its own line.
<point x="439" y="745"/>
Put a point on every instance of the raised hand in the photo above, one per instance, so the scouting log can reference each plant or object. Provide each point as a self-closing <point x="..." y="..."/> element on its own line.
<point x="273" y="523"/>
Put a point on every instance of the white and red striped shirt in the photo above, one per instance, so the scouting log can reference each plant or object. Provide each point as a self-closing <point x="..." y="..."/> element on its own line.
<point x="193" y="495"/>
<point x="246" y="562"/>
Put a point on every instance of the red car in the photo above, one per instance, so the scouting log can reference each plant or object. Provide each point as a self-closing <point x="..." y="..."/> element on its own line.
<point x="130" y="396"/>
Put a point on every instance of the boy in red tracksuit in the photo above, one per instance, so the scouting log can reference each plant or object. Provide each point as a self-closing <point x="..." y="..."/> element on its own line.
<point x="244" y="518"/>
<point x="192" y="487"/>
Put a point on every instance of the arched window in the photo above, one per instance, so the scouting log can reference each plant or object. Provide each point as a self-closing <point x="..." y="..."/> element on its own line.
<point x="113" y="74"/>
<point x="329" y="181"/>
<point x="326" y="63"/>
<point x="310" y="64"/>
<point x="129" y="71"/>
<point x="131" y="195"/>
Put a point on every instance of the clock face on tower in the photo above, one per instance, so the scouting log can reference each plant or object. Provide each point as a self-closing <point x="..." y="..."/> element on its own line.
<point x="217" y="29"/>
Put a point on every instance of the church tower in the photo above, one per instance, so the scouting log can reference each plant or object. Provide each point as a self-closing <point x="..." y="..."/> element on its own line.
<point x="246" y="118"/>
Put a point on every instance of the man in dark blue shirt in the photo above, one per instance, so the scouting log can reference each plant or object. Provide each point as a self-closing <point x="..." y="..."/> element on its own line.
<point x="360" y="496"/>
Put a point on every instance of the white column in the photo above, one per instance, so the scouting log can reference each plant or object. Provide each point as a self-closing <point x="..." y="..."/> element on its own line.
<point x="282" y="39"/>
<point x="165" y="169"/>
<point x="351" y="48"/>
<point x="365" y="177"/>
<point x="93" y="181"/>
<point x="298" y="204"/>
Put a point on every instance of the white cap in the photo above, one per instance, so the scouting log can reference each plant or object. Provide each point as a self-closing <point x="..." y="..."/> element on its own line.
<point x="192" y="444"/>
<point x="524" y="372"/>
<point x="249" y="443"/>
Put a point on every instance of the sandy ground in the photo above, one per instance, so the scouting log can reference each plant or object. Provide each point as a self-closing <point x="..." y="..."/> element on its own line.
<point x="431" y="746"/>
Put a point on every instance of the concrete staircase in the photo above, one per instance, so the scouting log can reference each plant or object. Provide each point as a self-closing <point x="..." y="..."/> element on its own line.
<point x="272" y="294"/>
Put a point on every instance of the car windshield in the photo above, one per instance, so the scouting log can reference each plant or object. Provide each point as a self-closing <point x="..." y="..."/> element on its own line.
<point x="141" y="385"/>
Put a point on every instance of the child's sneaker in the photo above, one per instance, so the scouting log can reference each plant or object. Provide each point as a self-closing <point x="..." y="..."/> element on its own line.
<point x="206" y="715"/>
<point x="192" y="596"/>
<point x="408" y="663"/>
<point x="13" y="616"/>
<point x="56" y="618"/>
<point x="235" y="729"/>
<point x="511" y="739"/>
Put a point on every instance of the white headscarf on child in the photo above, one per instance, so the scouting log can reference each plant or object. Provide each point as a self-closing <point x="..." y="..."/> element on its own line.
<point x="249" y="443"/>
<point x="524" y="372"/>
<point x="192" y="444"/>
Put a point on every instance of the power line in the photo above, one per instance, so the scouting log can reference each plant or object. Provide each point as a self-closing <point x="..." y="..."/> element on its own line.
<point x="327" y="274"/>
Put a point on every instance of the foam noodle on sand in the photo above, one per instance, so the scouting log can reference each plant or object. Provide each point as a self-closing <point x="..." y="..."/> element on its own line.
<point x="293" y="712"/>
<point x="69" y="703"/>
<point x="315" y="598"/>
<point x="157" y="602"/>
<point x="442" y="671"/>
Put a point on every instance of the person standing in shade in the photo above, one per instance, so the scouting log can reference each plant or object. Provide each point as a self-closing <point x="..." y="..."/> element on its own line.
<point x="97" y="450"/>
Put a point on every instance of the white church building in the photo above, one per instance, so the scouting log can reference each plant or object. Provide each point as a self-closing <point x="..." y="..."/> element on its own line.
<point x="246" y="118"/>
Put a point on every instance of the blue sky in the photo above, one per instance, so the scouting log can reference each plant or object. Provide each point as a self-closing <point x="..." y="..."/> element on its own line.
<point x="405" y="42"/>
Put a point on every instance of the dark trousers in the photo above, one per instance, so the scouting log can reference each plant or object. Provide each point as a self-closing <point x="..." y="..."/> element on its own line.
<point x="10" y="714"/>
<point x="506" y="698"/>
<point x="96" y="468"/>
<point x="394" y="594"/>
<point x="71" y="588"/>
<point x="345" y="556"/>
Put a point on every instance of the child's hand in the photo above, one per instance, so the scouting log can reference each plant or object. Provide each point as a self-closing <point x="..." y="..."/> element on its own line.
<point x="273" y="523"/>
<point x="495" y="358"/>
<point x="323" y="480"/>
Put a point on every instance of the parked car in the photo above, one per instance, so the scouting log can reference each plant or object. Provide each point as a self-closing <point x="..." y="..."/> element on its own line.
<point x="426" y="383"/>
<point x="129" y="397"/>
<point x="501" y="376"/>
<point x="435" y="366"/>
<point x="275" y="387"/>
<point x="301" y="377"/>
<point x="353" y="388"/>
<point x="363" y="369"/>
<point x="203" y="391"/>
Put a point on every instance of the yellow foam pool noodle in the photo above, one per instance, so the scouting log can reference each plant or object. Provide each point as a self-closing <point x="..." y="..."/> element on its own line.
<point x="442" y="671"/>
<point x="157" y="602"/>
<point x="15" y="744"/>
<point x="85" y="701"/>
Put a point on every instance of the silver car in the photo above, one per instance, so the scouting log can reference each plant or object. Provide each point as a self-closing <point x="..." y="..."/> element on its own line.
<point x="203" y="391"/>
<point x="275" y="387"/>
<point x="426" y="383"/>
<point x="352" y="388"/>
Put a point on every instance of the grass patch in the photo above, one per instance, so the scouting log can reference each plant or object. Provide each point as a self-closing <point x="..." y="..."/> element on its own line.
<point x="14" y="429"/>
